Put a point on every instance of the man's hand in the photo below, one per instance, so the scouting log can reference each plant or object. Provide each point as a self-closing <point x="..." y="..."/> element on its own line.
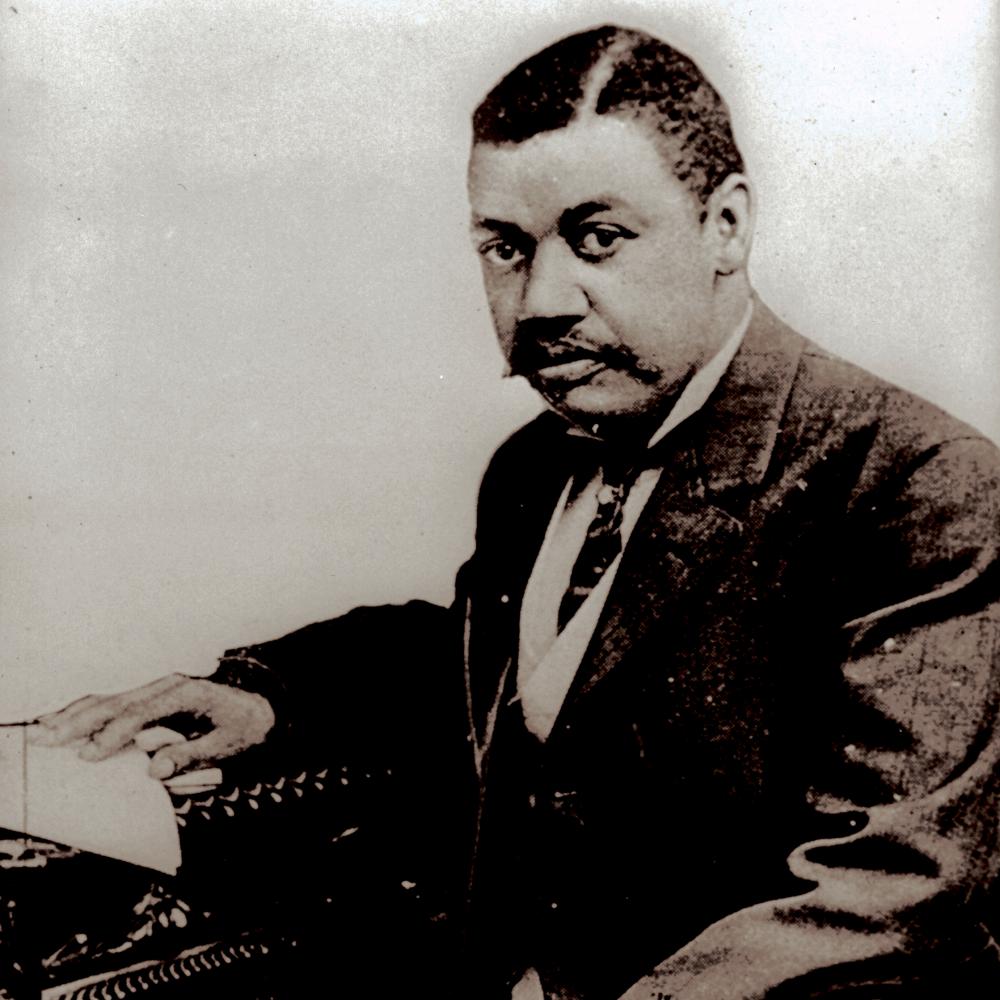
<point x="108" y="723"/>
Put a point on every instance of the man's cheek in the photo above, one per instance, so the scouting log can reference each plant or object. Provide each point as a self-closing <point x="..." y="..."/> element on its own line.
<point x="504" y="330"/>
<point x="503" y="311"/>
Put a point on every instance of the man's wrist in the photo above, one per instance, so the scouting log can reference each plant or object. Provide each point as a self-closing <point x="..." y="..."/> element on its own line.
<point x="239" y="668"/>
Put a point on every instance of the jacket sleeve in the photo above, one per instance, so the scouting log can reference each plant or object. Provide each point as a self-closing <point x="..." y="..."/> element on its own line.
<point x="900" y="898"/>
<point x="348" y="685"/>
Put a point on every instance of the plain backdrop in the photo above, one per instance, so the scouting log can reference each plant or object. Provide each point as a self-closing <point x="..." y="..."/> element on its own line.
<point x="248" y="376"/>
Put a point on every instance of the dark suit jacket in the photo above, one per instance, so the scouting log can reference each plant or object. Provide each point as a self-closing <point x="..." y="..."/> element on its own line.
<point x="776" y="769"/>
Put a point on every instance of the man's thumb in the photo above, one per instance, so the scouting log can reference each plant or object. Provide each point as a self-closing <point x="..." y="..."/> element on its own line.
<point x="173" y="759"/>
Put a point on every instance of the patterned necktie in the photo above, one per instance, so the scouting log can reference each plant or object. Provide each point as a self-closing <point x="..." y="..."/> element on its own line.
<point x="604" y="538"/>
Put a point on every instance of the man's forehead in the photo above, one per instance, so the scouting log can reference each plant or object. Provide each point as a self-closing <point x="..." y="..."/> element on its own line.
<point x="606" y="159"/>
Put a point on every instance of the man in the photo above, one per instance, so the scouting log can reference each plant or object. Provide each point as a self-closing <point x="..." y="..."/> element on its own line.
<point x="714" y="713"/>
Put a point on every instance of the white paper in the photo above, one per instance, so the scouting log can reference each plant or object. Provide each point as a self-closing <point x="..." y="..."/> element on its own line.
<point x="111" y="807"/>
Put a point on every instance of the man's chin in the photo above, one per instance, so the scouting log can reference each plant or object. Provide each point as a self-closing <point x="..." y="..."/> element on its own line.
<point x="595" y="409"/>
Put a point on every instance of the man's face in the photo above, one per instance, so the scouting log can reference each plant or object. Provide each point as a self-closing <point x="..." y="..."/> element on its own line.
<point x="599" y="272"/>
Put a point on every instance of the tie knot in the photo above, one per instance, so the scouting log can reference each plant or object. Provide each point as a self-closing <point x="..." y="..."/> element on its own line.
<point x="617" y="470"/>
<point x="618" y="463"/>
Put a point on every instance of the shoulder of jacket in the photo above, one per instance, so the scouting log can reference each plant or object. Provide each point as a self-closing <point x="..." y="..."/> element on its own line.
<point x="901" y="420"/>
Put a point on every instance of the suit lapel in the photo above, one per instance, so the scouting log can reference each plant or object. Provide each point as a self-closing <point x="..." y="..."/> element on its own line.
<point x="743" y="416"/>
<point x="672" y="550"/>
<point x="688" y="526"/>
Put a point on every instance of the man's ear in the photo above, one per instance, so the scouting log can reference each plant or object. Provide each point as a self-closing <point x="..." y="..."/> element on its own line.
<point x="728" y="221"/>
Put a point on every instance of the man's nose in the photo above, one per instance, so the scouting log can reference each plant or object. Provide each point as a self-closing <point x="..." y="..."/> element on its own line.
<point x="553" y="288"/>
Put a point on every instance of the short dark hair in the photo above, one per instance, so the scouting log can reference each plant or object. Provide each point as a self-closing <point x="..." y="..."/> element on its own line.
<point x="613" y="70"/>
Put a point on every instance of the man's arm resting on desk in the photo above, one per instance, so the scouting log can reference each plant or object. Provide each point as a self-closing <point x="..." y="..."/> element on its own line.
<point x="918" y="766"/>
<point x="341" y="682"/>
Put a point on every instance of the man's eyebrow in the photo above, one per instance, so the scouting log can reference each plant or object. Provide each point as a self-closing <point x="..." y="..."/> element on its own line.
<point x="575" y="215"/>
<point x="506" y="229"/>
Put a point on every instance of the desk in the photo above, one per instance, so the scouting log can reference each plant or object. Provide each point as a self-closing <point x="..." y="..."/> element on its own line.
<point x="235" y="922"/>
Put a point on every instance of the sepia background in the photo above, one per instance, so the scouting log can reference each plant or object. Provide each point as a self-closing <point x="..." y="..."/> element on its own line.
<point x="249" y="378"/>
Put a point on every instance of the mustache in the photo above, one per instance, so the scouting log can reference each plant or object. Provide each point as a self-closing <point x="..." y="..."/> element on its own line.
<point x="538" y="343"/>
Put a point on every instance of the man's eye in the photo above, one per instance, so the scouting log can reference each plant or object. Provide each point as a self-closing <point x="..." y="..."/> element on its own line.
<point x="501" y="253"/>
<point x="601" y="240"/>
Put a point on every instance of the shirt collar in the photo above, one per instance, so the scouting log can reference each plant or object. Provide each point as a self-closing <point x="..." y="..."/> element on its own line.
<point x="704" y="381"/>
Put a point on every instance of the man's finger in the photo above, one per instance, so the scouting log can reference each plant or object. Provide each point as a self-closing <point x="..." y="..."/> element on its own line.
<point x="180" y="696"/>
<point x="90" y="715"/>
<point x="155" y="737"/>
<point x="71" y="708"/>
<point x="49" y="727"/>
<point x="177" y="757"/>
<point x="118" y="733"/>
